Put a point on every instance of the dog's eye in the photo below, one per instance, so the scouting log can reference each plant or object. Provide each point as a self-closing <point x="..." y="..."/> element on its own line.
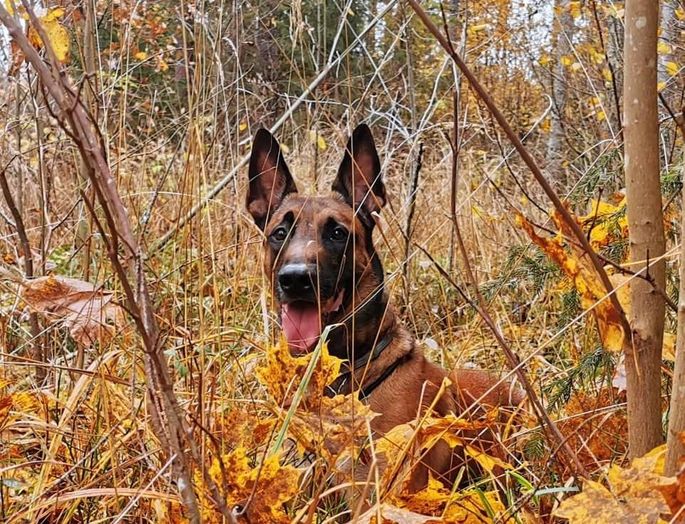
<point x="280" y="234"/>
<point x="338" y="233"/>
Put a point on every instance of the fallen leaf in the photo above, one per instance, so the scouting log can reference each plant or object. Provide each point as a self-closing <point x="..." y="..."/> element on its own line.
<point x="87" y="311"/>
<point x="663" y="48"/>
<point x="317" y="139"/>
<point x="671" y="68"/>
<point x="281" y="373"/>
<point x="267" y="487"/>
<point x="674" y="492"/>
<point x="448" y="506"/>
<point x="328" y="426"/>
<point x="334" y="428"/>
<point x="394" y="515"/>
<point x="633" y="494"/>
<point x="577" y="266"/>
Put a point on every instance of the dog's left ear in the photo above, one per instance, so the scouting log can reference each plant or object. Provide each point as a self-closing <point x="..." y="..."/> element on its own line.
<point x="359" y="176"/>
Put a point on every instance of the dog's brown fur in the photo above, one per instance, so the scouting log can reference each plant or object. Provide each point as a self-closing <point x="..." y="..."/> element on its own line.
<point x="353" y="271"/>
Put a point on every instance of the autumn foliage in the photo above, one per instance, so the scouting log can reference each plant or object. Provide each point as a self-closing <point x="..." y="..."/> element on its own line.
<point x="174" y="93"/>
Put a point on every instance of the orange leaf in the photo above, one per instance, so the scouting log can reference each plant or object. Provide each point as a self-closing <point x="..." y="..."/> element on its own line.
<point x="577" y="266"/>
<point x="268" y="486"/>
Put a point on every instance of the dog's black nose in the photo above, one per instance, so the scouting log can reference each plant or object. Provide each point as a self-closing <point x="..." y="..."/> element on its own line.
<point x="297" y="280"/>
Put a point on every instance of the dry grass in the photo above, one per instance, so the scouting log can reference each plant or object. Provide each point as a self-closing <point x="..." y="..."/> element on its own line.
<point x="80" y="448"/>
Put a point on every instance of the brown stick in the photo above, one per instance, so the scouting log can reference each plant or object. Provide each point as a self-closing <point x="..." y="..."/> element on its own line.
<point x="36" y="350"/>
<point x="527" y="158"/>
<point x="481" y="307"/>
<point x="166" y="414"/>
<point x="676" y="421"/>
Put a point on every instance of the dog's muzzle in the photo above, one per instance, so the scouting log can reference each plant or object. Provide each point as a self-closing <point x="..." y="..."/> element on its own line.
<point x="297" y="282"/>
<point x="304" y="311"/>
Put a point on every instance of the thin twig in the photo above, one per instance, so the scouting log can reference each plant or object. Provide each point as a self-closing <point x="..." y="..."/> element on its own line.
<point x="528" y="160"/>
<point x="36" y="350"/>
<point x="513" y="361"/>
<point x="223" y="183"/>
<point x="18" y="221"/>
<point x="167" y="416"/>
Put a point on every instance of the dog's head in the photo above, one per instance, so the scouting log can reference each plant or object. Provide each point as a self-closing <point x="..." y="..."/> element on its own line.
<point x="318" y="249"/>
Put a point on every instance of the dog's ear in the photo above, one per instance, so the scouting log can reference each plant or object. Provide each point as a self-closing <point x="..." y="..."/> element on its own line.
<point x="359" y="177"/>
<point x="270" y="179"/>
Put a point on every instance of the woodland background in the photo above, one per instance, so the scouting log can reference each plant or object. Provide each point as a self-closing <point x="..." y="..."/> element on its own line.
<point x="163" y="98"/>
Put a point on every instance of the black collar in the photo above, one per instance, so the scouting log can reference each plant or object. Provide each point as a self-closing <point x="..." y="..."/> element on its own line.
<point x="338" y="386"/>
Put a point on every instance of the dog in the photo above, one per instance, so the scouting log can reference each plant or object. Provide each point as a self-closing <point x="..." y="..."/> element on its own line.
<point x="325" y="271"/>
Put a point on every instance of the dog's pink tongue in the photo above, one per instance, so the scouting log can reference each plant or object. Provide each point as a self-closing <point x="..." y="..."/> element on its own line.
<point x="301" y="326"/>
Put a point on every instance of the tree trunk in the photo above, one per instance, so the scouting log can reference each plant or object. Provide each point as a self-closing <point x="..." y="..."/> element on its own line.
<point x="668" y="35"/>
<point x="676" y="421"/>
<point x="645" y="222"/>
<point x="563" y="34"/>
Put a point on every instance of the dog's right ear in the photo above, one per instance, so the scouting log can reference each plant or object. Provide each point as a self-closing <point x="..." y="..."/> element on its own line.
<point x="359" y="176"/>
<point x="270" y="179"/>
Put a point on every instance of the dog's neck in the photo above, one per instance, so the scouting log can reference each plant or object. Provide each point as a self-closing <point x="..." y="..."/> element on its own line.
<point x="370" y="320"/>
<point x="391" y="345"/>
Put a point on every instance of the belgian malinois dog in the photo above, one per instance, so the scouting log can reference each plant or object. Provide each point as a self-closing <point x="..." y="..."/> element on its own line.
<point x="325" y="271"/>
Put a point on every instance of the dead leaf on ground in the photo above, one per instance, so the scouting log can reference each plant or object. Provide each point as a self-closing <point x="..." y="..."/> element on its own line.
<point x="447" y="506"/>
<point x="281" y="372"/>
<point x="633" y="495"/>
<point x="328" y="426"/>
<point x="86" y="310"/>
<point x="674" y="493"/>
<point x="393" y="515"/>
<point x="262" y="488"/>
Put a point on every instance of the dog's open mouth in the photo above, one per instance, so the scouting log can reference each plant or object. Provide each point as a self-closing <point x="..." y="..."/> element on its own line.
<point x="302" y="322"/>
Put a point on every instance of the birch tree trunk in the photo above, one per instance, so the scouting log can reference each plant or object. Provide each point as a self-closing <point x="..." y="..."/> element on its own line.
<point x="676" y="421"/>
<point x="645" y="222"/>
<point x="669" y="37"/>
<point x="563" y="33"/>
